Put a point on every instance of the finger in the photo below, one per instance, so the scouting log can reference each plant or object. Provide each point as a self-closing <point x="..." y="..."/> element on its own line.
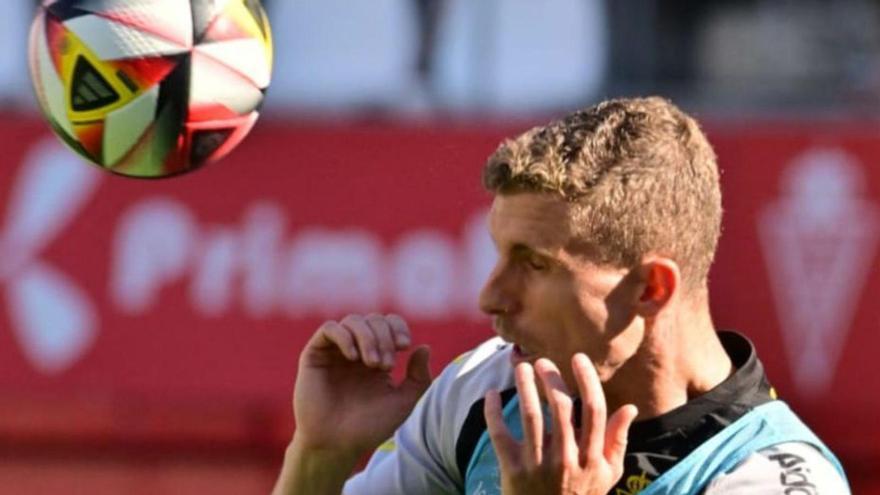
<point x="559" y="398"/>
<point x="332" y="334"/>
<point x="617" y="434"/>
<point x="400" y="330"/>
<point x="417" y="378"/>
<point x="531" y="414"/>
<point x="506" y="447"/>
<point x="593" y="408"/>
<point x="365" y="338"/>
<point x="418" y="373"/>
<point x="382" y="330"/>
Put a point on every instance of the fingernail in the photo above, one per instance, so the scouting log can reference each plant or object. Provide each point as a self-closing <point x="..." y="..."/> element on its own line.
<point x="403" y="340"/>
<point x="388" y="360"/>
<point x="373" y="356"/>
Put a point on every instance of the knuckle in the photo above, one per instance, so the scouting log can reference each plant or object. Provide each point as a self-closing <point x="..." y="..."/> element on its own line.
<point x="375" y="319"/>
<point x="396" y="321"/>
<point x="531" y="418"/>
<point x="594" y="406"/>
<point x="363" y="335"/>
<point x="564" y="401"/>
<point x="352" y="319"/>
<point x="327" y="325"/>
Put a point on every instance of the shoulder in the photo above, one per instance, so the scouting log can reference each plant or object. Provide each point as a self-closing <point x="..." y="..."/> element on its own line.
<point x="422" y="456"/>
<point x="786" y="468"/>
<point x="469" y="376"/>
<point x="452" y="408"/>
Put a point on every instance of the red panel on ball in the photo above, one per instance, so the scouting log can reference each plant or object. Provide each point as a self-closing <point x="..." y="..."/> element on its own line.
<point x="146" y="72"/>
<point x="91" y="136"/>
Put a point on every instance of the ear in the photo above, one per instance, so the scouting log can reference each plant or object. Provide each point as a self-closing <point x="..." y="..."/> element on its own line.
<point x="661" y="279"/>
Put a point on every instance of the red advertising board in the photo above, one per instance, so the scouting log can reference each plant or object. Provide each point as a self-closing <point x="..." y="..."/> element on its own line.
<point x="203" y="288"/>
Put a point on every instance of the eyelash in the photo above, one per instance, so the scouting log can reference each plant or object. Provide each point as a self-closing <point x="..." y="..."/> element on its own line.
<point x="536" y="266"/>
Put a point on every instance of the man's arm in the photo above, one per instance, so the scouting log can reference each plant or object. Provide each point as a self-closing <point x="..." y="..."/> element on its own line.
<point x="317" y="473"/>
<point x="345" y="402"/>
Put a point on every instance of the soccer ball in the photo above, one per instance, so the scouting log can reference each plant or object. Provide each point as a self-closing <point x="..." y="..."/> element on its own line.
<point x="151" y="88"/>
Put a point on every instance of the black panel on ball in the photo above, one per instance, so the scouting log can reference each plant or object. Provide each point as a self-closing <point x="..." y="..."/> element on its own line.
<point x="174" y="94"/>
<point x="205" y="143"/>
<point x="67" y="9"/>
<point x="203" y="12"/>
<point x="89" y="90"/>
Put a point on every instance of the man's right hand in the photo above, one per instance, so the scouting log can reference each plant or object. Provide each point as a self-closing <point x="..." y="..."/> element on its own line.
<point x="344" y="399"/>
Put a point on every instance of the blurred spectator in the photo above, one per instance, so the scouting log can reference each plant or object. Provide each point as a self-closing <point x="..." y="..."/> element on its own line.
<point x="805" y="54"/>
<point x="14" y="24"/>
<point x="514" y="56"/>
<point x="653" y="44"/>
<point x="343" y="54"/>
<point x="504" y="56"/>
<point x="428" y="13"/>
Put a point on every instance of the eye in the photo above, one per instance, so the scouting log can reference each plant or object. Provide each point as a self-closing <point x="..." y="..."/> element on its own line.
<point x="536" y="264"/>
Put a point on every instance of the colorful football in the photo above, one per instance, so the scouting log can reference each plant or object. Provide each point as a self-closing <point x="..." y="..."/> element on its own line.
<point x="151" y="88"/>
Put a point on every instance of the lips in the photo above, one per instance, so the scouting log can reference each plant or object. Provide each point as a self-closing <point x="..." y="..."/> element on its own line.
<point x="519" y="351"/>
<point x="521" y="355"/>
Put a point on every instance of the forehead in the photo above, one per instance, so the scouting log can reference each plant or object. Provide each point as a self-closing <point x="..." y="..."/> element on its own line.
<point x="533" y="219"/>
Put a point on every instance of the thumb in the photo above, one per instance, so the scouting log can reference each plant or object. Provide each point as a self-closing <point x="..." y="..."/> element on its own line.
<point x="418" y="374"/>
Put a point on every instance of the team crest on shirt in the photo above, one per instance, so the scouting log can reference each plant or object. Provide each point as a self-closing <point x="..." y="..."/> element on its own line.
<point x="634" y="484"/>
<point x="819" y="238"/>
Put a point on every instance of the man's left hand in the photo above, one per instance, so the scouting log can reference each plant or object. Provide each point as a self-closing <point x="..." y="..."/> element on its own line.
<point x="588" y="462"/>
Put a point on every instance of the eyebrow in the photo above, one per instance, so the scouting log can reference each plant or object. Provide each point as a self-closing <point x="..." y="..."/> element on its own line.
<point x="521" y="248"/>
<point x="524" y="249"/>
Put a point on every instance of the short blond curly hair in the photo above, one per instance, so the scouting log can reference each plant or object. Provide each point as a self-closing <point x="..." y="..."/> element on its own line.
<point x="641" y="174"/>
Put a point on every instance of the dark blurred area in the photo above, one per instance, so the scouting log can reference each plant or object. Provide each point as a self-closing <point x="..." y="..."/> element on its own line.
<point x="514" y="57"/>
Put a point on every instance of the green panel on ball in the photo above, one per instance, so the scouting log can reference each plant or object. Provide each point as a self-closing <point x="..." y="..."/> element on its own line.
<point x="160" y="141"/>
<point x="123" y="128"/>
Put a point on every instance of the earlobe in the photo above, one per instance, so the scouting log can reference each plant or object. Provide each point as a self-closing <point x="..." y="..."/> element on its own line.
<point x="660" y="278"/>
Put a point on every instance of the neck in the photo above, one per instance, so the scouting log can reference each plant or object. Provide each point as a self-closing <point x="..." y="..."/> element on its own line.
<point x="678" y="359"/>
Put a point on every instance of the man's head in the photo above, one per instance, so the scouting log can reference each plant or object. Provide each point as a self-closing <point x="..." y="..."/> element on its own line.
<point x="593" y="214"/>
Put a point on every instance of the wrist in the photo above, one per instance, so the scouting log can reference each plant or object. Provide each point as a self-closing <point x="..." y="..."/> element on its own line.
<point x="314" y="470"/>
<point x="316" y="457"/>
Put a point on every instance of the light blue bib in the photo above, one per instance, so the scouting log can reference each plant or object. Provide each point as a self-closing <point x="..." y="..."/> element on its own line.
<point x="766" y="425"/>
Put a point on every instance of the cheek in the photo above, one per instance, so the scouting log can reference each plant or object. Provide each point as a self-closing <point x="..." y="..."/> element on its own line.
<point x="548" y="298"/>
<point x="569" y="318"/>
<point x="591" y="313"/>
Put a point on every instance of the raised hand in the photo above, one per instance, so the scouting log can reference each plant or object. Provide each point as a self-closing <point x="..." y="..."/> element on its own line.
<point x="588" y="462"/>
<point x="345" y="400"/>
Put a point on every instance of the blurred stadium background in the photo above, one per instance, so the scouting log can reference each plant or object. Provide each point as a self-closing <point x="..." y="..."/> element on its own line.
<point x="149" y="331"/>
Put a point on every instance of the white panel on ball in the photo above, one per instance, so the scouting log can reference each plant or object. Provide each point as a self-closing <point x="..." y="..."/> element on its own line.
<point x="113" y="41"/>
<point x="173" y="17"/>
<point x="124" y="127"/>
<point x="213" y="83"/>
<point x="246" y="56"/>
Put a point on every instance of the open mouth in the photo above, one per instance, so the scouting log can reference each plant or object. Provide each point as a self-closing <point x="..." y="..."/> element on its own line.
<point x="521" y="355"/>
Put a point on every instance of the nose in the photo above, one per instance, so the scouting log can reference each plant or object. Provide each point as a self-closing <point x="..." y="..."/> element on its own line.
<point x="497" y="297"/>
